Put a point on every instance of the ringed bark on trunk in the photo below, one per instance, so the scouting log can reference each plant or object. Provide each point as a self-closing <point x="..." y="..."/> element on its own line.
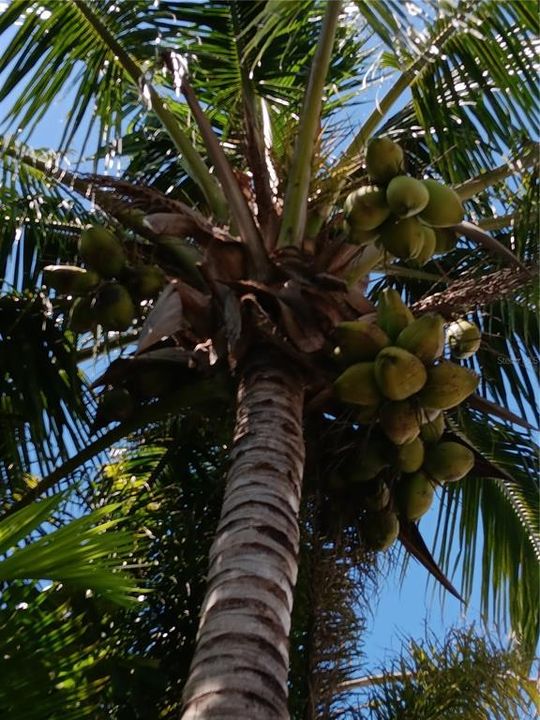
<point x="240" y="666"/>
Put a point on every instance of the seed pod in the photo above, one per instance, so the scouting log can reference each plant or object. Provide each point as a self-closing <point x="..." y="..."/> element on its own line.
<point x="447" y="385"/>
<point x="384" y="159"/>
<point x="398" y="373"/>
<point x="424" y="338"/>
<point x="69" y="280"/>
<point x="357" y="385"/>
<point x="406" y="196"/>
<point x="114" y="307"/>
<point x="144" y="282"/>
<point x="428" y="246"/>
<point x="444" y="208"/>
<point x="82" y="317"/>
<point x="366" y="208"/>
<point x="432" y="430"/>
<point x="464" y="339"/>
<point x="445" y="240"/>
<point x="380" y="530"/>
<point x="411" y="456"/>
<point x="414" y="495"/>
<point x="360" y="340"/>
<point x="399" y="422"/>
<point x="392" y="313"/>
<point x="402" y="238"/>
<point x="448" y="461"/>
<point x="372" y="457"/>
<point x="101" y="251"/>
<point x="378" y="497"/>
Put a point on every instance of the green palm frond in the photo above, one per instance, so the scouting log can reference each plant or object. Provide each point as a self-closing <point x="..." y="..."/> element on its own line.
<point x="462" y="675"/>
<point x="40" y="219"/>
<point x="50" y="667"/>
<point x="171" y="488"/>
<point x="44" y="401"/>
<point x="81" y="553"/>
<point x="505" y="501"/>
<point x="490" y="47"/>
<point x="111" y="77"/>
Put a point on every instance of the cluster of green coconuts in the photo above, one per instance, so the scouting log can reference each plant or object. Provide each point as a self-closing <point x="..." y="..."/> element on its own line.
<point x="400" y="386"/>
<point x="410" y="219"/>
<point x="107" y="291"/>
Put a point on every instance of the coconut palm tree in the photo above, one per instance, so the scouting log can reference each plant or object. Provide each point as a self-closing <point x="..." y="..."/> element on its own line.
<point x="236" y="120"/>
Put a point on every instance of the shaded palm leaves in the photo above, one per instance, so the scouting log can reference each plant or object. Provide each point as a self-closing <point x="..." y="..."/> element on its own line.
<point x="462" y="675"/>
<point x="510" y="552"/>
<point x="44" y="404"/>
<point x="169" y="489"/>
<point x="40" y="218"/>
<point x="41" y="628"/>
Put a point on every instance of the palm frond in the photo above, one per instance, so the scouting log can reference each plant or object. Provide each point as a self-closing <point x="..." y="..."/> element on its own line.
<point x="462" y="675"/>
<point x="86" y="33"/>
<point x="506" y="502"/>
<point x="43" y="395"/>
<point x="80" y="554"/>
<point x="50" y="667"/>
<point x="490" y="47"/>
<point x="40" y="219"/>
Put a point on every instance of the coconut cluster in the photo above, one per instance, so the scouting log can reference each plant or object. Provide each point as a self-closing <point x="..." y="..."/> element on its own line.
<point x="136" y="389"/>
<point x="400" y="386"/>
<point x="409" y="218"/>
<point x="107" y="291"/>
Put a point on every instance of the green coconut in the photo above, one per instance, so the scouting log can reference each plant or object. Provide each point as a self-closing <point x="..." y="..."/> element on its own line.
<point x="399" y="421"/>
<point x="144" y="282"/>
<point x="114" y="307"/>
<point x="398" y="373"/>
<point x="448" y="461"/>
<point x="82" y="317"/>
<point x="411" y="456"/>
<point x="444" y="208"/>
<point x="392" y="313"/>
<point x="357" y="385"/>
<point x="428" y="247"/>
<point x="402" y="238"/>
<point x="378" y="496"/>
<point x="380" y="529"/>
<point x="69" y="280"/>
<point x="432" y="430"/>
<point x="447" y="385"/>
<point x="414" y="495"/>
<point x="360" y="340"/>
<point x="424" y="337"/>
<point x="366" y="208"/>
<point x="101" y="251"/>
<point x="464" y="338"/>
<point x="406" y="196"/>
<point x="384" y="159"/>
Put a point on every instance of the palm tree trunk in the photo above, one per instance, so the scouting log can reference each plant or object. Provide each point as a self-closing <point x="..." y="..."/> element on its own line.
<point x="240" y="667"/>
